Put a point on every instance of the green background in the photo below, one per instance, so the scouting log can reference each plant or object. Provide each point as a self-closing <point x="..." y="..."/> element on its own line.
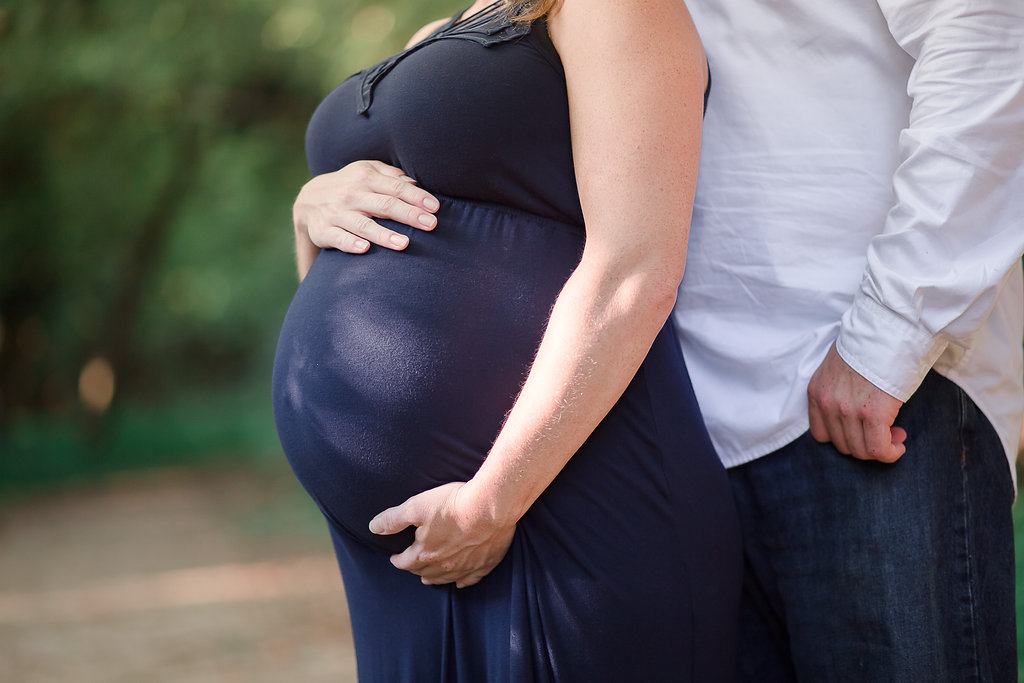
<point x="149" y="155"/>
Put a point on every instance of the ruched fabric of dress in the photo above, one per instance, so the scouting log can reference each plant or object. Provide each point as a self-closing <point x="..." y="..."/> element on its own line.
<point x="394" y="372"/>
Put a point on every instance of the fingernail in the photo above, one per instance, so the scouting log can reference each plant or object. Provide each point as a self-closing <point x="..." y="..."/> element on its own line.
<point x="362" y="245"/>
<point x="408" y="179"/>
<point x="427" y="220"/>
<point x="375" y="525"/>
<point x="399" y="240"/>
<point x="431" y="204"/>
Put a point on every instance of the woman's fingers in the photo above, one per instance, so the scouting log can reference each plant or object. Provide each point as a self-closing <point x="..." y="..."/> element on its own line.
<point x="403" y="207"/>
<point x="461" y="579"/>
<point x="353" y="232"/>
<point x="341" y="210"/>
<point x="358" y="219"/>
<point x="400" y="187"/>
<point x="470" y="580"/>
<point x="328" y="235"/>
<point x="387" y="192"/>
<point x="380" y="167"/>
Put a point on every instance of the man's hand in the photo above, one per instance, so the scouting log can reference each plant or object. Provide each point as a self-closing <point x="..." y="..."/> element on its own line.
<point x="455" y="540"/>
<point x="852" y="413"/>
<point x="336" y="210"/>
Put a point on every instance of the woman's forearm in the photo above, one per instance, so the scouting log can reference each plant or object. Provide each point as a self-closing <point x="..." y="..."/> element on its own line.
<point x="600" y="330"/>
<point x="634" y="75"/>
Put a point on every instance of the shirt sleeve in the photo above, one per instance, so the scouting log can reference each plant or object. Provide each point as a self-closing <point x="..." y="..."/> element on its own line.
<point x="956" y="229"/>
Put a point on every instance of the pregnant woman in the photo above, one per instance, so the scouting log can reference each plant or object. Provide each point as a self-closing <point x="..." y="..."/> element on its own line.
<point x="505" y="387"/>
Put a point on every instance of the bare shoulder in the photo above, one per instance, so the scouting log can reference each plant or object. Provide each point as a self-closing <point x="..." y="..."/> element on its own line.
<point x="632" y="27"/>
<point x="425" y="31"/>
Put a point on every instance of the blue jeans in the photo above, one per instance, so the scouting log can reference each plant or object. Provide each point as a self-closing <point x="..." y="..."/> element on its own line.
<point x="861" y="571"/>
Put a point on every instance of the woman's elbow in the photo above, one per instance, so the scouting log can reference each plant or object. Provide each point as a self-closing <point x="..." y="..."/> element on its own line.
<point x="658" y="295"/>
<point x="648" y="293"/>
<point x="646" y="285"/>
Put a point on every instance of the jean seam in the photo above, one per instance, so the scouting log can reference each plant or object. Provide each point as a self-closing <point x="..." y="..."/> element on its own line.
<point x="972" y="629"/>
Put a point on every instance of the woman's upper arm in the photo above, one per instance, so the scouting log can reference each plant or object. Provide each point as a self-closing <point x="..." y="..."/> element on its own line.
<point x="636" y="75"/>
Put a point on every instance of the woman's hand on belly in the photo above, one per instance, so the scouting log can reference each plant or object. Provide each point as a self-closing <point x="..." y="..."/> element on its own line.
<point x="456" y="542"/>
<point x="336" y="210"/>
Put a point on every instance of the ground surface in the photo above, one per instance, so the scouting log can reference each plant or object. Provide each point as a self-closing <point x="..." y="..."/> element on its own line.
<point x="201" y="576"/>
<point x="198" y="576"/>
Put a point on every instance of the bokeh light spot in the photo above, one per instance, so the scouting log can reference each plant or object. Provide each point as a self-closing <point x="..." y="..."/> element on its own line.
<point x="295" y="25"/>
<point x="372" y="24"/>
<point x="96" y="384"/>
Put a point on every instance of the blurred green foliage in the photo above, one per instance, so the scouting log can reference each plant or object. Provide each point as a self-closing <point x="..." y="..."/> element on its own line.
<point x="149" y="154"/>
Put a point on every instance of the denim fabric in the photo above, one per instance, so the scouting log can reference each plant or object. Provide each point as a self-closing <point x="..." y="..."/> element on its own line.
<point x="861" y="571"/>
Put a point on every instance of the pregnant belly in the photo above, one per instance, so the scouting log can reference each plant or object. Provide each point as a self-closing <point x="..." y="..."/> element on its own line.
<point x="394" y="370"/>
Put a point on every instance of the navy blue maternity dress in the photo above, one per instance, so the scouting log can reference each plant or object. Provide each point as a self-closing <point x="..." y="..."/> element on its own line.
<point x="394" y="371"/>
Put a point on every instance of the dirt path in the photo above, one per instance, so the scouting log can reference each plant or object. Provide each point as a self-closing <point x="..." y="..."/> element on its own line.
<point x="173" y="576"/>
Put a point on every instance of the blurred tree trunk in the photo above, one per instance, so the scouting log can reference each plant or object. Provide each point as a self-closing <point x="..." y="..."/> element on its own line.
<point x="117" y="332"/>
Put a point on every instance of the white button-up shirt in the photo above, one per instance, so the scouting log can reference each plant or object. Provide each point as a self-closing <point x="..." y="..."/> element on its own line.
<point x="862" y="179"/>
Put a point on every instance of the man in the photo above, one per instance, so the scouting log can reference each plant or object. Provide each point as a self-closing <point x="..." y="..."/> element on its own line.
<point x="857" y="239"/>
<point x="852" y="317"/>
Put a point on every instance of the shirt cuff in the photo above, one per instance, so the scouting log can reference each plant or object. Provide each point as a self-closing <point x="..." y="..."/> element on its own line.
<point x="885" y="348"/>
